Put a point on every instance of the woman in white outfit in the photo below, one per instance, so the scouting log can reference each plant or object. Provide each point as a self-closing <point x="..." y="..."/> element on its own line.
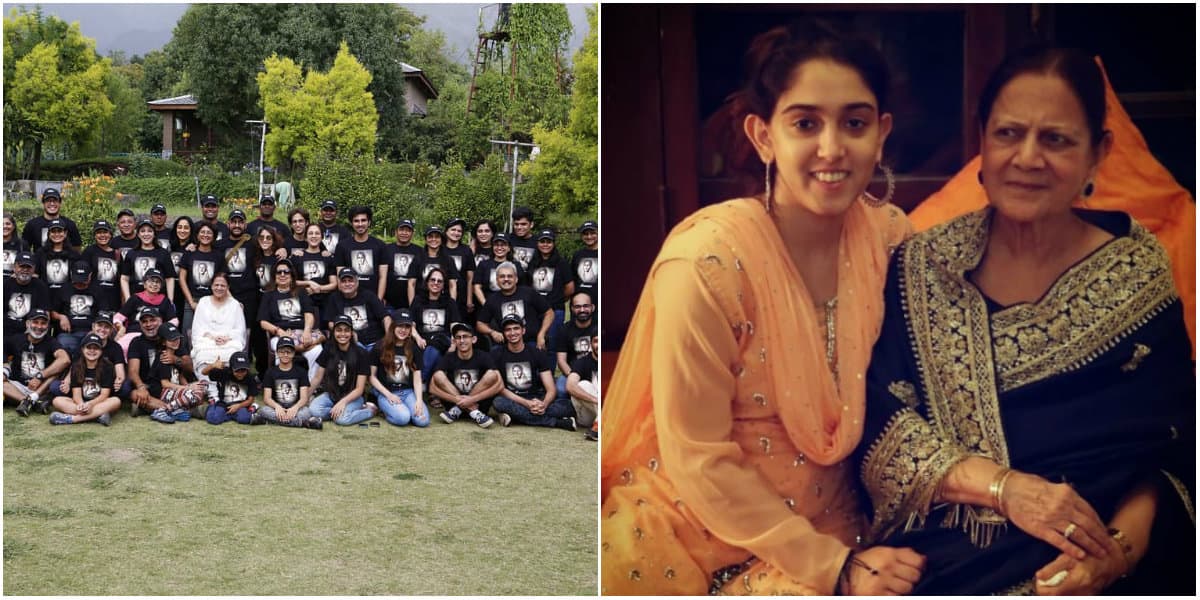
<point x="219" y="327"/>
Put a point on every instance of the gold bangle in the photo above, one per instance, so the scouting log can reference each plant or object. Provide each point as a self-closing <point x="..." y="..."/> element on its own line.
<point x="1118" y="536"/>
<point x="996" y="488"/>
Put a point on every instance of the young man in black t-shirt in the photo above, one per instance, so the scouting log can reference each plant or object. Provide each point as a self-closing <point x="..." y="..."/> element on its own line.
<point x="401" y="258"/>
<point x="583" y="384"/>
<point x="32" y="359"/>
<point x="523" y="245"/>
<point x="285" y="390"/>
<point x="332" y="232"/>
<point x="364" y="253"/>
<point x="528" y="396"/>
<point x="37" y="228"/>
<point x="585" y="263"/>
<point x="465" y="379"/>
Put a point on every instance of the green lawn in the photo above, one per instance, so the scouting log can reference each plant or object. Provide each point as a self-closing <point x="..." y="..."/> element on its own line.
<point x="141" y="508"/>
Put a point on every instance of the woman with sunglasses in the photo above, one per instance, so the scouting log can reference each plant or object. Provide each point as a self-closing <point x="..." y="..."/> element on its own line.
<point x="285" y="311"/>
<point x="197" y="269"/>
<point x="433" y="311"/>
<point x="267" y="249"/>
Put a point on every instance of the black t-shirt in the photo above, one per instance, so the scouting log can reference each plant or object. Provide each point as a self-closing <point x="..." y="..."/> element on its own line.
<point x="94" y="380"/>
<point x="133" y="307"/>
<point x="239" y="264"/>
<point x="54" y="267"/>
<point x="365" y="310"/>
<point x="28" y="360"/>
<point x="80" y="306"/>
<point x="285" y="385"/>
<point x="201" y="266"/>
<point x="524" y="302"/>
<point x="138" y="261"/>
<point x="314" y="266"/>
<point x="291" y="243"/>
<point x="106" y="273"/>
<point x="340" y="376"/>
<point x="400" y="261"/>
<point x="264" y="272"/>
<point x="281" y="309"/>
<point x="464" y="374"/>
<point x="522" y="370"/>
<point x="253" y="227"/>
<point x="37" y="229"/>
<point x="434" y="316"/>
<point x="575" y="341"/>
<point x="549" y="277"/>
<point x="364" y="258"/>
<point x="146" y="351"/>
<point x="11" y="248"/>
<point x="231" y="390"/>
<point x="464" y="260"/>
<point x="123" y="246"/>
<point x="523" y="250"/>
<point x="485" y="276"/>
<point x="585" y="265"/>
<point x="20" y="299"/>
<point x="423" y="263"/>
<point x="585" y="366"/>
<point x="399" y="372"/>
<point x="333" y="235"/>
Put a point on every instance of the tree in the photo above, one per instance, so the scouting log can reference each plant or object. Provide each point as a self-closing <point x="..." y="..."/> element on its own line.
<point x="565" y="172"/>
<point x="324" y="113"/>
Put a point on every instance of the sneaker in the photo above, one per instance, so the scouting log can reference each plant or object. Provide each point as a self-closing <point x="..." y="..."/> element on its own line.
<point x="23" y="407"/>
<point x="451" y="415"/>
<point x="567" y="423"/>
<point x="313" y="423"/>
<point x="373" y="408"/>
<point x="57" y="418"/>
<point x="505" y="419"/>
<point x="257" y="418"/>
<point x="162" y="416"/>
<point x="42" y="406"/>
<point x="105" y="419"/>
<point x="481" y="419"/>
<point x="591" y="435"/>
<point x="182" y="415"/>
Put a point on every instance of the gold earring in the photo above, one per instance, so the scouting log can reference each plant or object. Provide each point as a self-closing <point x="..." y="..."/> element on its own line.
<point x="767" y="196"/>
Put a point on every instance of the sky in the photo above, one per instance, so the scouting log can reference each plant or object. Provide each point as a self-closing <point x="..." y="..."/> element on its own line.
<point x="140" y="28"/>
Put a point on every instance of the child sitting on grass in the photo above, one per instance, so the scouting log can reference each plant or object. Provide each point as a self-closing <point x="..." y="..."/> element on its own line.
<point x="236" y="391"/>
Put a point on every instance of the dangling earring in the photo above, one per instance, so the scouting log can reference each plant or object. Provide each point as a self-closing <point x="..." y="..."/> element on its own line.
<point x="1089" y="188"/>
<point x="979" y="176"/>
<point x="767" y="197"/>
<point x="890" y="179"/>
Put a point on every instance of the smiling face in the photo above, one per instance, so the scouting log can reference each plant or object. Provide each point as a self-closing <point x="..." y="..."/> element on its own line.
<point x="506" y="279"/>
<point x="433" y="241"/>
<point x="342" y="334"/>
<point x="500" y="250"/>
<point x="521" y="227"/>
<point x="825" y="135"/>
<point x="361" y="224"/>
<point x="125" y="225"/>
<point x="210" y="211"/>
<point x="9" y="227"/>
<point x="57" y="236"/>
<point x="266" y="239"/>
<point x="1037" y="151"/>
<point x="183" y="230"/>
<point x="513" y="333"/>
<point x="404" y="234"/>
<point x="348" y="286"/>
<point x="545" y="246"/>
<point x="146" y="235"/>
<point x="299" y="223"/>
<point x="50" y="206"/>
<point x="328" y="215"/>
<point x="590" y="237"/>
<point x="103" y="237"/>
<point x="285" y="355"/>
<point x="313" y="236"/>
<point x="455" y="233"/>
<point x="159" y="219"/>
<point x="402" y="331"/>
<point x="205" y="235"/>
<point x="219" y="287"/>
<point x="91" y="352"/>
<point x="483" y="233"/>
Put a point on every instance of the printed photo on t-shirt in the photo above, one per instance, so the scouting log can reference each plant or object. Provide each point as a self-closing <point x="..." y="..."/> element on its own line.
<point x="363" y="261"/>
<point x="203" y="271"/>
<point x="543" y="279"/>
<point x="399" y="371"/>
<point x="233" y="393"/>
<point x="106" y="270"/>
<point x="400" y="264"/>
<point x="457" y="258"/>
<point x="587" y="270"/>
<point x="331" y="240"/>
<point x="18" y="306"/>
<point x="287" y="391"/>
<point x="358" y="316"/>
<point x="141" y="265"/>
<point x="289" y="308"/>
<point x="465" y="379"/>
<point x="56" y="270"/>
<point x="314" y="270"/>
<point x="513" y="307"/>
<point x="32" y="364"/>
<point x="433" y="318"/>
<point x="237" y="262"/>
<point x="81" y="306"/>
<point x="523" y="255"/>
<point x="583" y="344"/>
<point x="520" y="375"/>
<point x="175" y="257"/>
<point x="90" y="389"/>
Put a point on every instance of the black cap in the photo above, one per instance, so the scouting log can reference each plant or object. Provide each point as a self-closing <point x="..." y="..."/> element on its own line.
<point x="402" y="315"/>
<point x="512" y="318"/>
<point x="37" y="313"/>
<point x="457" y="327"/>
<point x="285" y="342"/>
<point x="329" y="204"/>
<point x="406" y="223"/>
<point x="51" y="193"/>
<point x="343" y="320"/>
<point x="501" y="237"/>
<point x="80" y="272"/>
<point x="169" y="331"/>
<point x="434" y="229"/>
<point x="456" y="221"/>
<point x="153" y="273"/>
<point x="588" y="226"/>
<point x="92" y="339"/>
<point x="144" y="222"/>
<point x="25" y="258"/>
<point x="345" y="272"/>
<point x="237" y="214"/>
<point x="104" y="316"/>
<point x="267" y="199"/>
<point x="125" y="211"/>
<point x="209" y="199"/>
<point x="56" y="224"/>
<point x="102" y="225"/>
<point x="149" y="311"/>
<point x="158" y="208"/>
<point x="545" y="234"/>
<point x="239" y="361"/>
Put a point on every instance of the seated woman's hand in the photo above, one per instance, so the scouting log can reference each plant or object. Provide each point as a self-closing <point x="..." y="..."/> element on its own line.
<point x="1067" y="576"/>
<point x="1055" y="514"/>
<point x="883" y="571"/>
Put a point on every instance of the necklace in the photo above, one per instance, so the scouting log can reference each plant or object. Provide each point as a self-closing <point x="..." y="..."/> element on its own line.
<point x="830" y="307"/>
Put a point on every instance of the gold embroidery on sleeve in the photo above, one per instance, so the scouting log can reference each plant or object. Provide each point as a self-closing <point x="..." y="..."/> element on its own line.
<point x="905" y="392"/>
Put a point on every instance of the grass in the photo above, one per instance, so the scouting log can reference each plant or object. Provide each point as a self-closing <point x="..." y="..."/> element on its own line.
<point x="141" y="508"/>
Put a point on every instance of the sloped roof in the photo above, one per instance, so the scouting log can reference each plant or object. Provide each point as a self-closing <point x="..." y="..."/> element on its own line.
<point x="411" y="72"/>
<point x="178" y="102"/>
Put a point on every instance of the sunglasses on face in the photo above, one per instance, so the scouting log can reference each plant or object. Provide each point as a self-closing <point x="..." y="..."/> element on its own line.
<point x="283" y="272"/>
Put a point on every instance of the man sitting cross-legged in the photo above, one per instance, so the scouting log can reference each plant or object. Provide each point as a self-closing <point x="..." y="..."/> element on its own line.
<point x="467" y="380"/>
<point x="528" y="395"/>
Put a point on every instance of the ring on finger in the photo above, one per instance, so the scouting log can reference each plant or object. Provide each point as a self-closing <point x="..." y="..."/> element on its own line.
<point x="1069" y="531"/>
<point x="1055" y="579"/>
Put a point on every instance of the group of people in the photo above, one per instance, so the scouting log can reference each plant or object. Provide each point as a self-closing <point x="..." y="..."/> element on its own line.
<point x="1013" y="390"/>
<point x="260" y="321"/>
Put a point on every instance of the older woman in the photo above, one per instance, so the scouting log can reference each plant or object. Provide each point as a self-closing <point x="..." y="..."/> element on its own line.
<point x="1034" y="369"/>
<point x="286" y="312"/>
<point x="219" y="327"/>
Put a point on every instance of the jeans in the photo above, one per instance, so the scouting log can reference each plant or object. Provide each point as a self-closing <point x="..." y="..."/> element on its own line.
<point x="558" y="409"/>
<point x="71" y="341"/>
<point x="217" y="414"/>
<point x="355" y="412"/>
<point x="552" y="333"/>
<point x="403" y="413"/>
<point x="269" y="415"/>
<point x="185" y="322"/>
<point x="431" y="358"/>
<point x="560" y="386"/>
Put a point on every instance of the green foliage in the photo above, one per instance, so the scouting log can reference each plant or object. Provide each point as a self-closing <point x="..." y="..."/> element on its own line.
<point x="119" y="132"/>
<point x="564" y="177"/>
<point x="474" y="196"/>
<point x="88" y="199"/>
<point x="149" y="166"/>
<point x="62" y="170"/>
<point x="351" y="181"/>
<point x="327" y="113"/>
<point x="182" y="189"/>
